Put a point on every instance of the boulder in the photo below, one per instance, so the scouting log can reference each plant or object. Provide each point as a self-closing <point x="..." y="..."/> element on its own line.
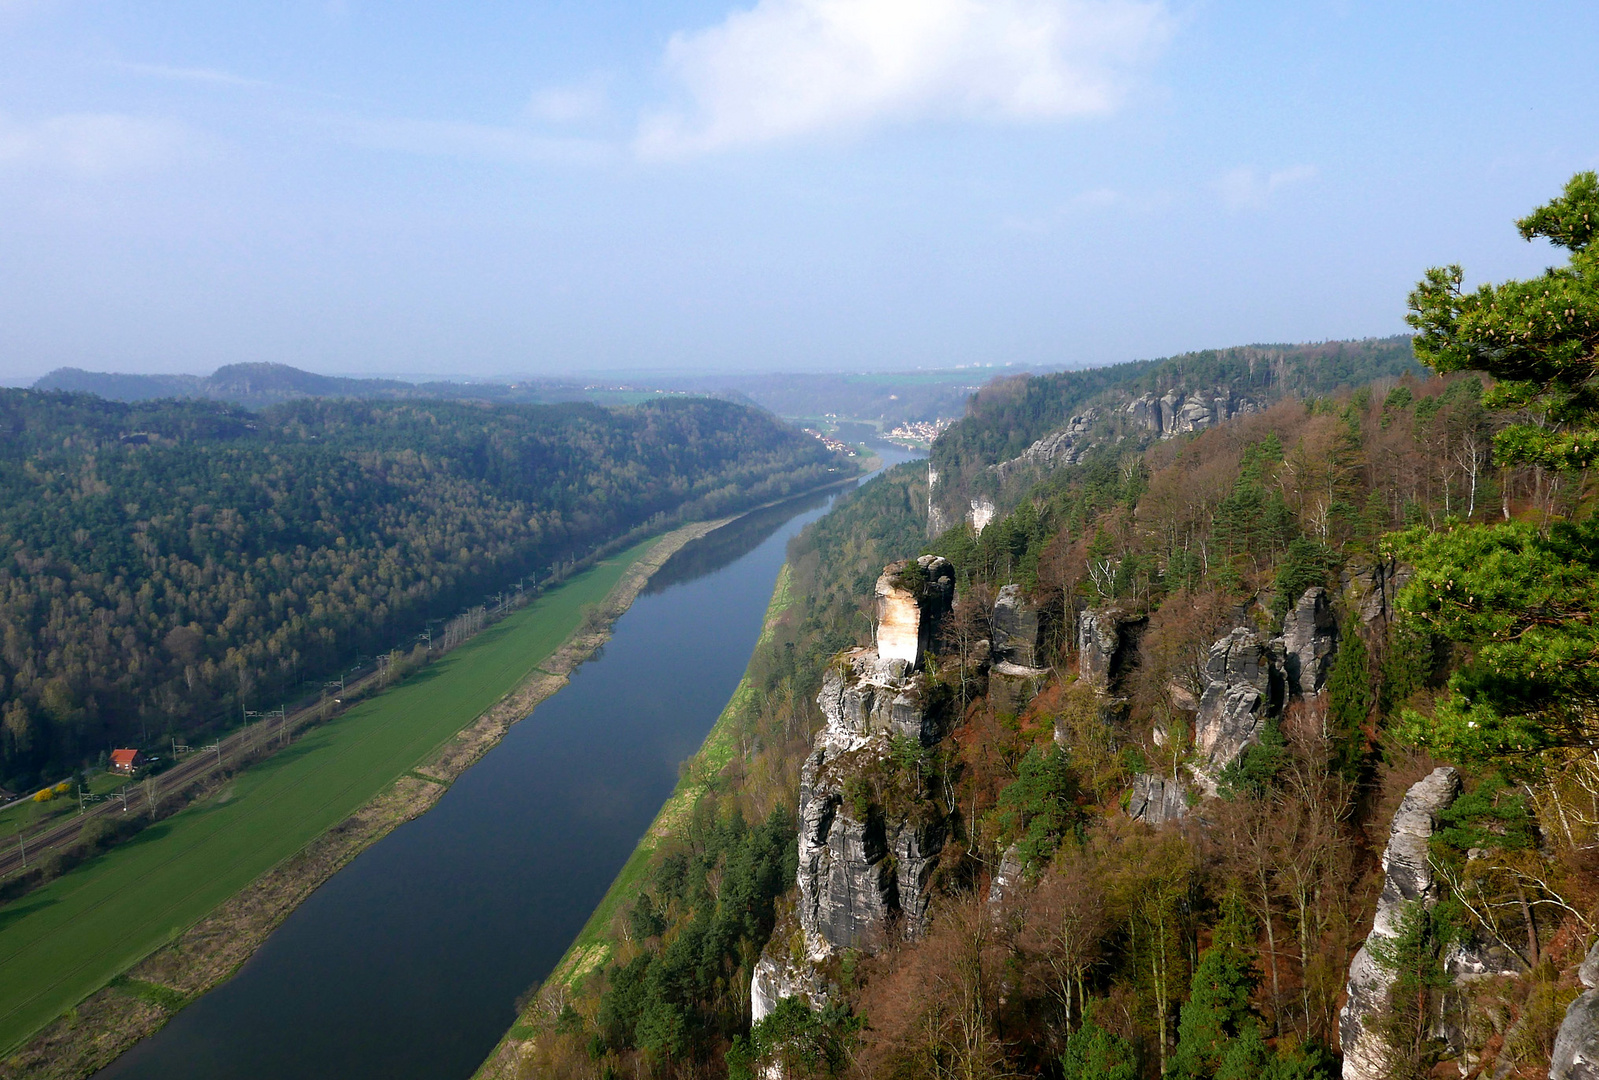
<point x="1407" y="879"/>
<point x="1015" y="638"/>
<point x="1309" y="639"/>
<point x="1156" y="800"/>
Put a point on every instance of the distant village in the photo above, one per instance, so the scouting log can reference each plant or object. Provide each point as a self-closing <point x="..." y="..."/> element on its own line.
<point x="834" y="444"/>
<point x="919" y="432"/>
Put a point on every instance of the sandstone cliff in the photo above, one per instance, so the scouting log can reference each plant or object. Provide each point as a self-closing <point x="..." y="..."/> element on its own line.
<point x="869" y="835"/>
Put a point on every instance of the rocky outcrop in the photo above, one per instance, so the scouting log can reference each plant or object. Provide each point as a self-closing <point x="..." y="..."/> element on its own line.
<point x="1006" y="877"/>
<point x="783" y="971"/>
<point x="1105" y="640"/>
<point x="869" y="838"/>
<point x="910" y="598"/>
<point x="1576" y="1053"/>
<point x="1156" y="800"/>
<point x="1244" y="686"/>
<point x="981" y="512"/>
<point x="1309" y="639"/>
<point x="1407" y="879"/>
<point x="937" y="520"/>
<point x="1015" y="637"/>
<point x="1178" y="412"/>
<point x="864" y="695"/>
<point x="1067" y="446"/>
<point x="1376" y="588"/>
<point x="851" y="893"/>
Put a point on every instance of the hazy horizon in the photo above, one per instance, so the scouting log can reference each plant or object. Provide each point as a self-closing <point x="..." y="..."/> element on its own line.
<point x="545" y="190"/>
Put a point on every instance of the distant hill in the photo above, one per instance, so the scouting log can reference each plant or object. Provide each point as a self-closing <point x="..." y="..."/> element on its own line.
<point x="256" y="386"/>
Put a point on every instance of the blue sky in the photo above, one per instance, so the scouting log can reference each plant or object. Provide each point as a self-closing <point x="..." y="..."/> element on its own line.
<point x="552" y="188"/>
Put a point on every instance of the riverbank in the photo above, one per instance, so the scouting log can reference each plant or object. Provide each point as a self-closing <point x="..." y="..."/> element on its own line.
<point x="515" y="667"/>
<point x="593" y="947"/>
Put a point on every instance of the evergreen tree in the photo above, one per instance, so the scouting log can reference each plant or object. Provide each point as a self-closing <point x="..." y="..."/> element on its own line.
<point x="1522" y="597"/>
<point x="1092" y="1053"/>
<point x="1349" y="697"/>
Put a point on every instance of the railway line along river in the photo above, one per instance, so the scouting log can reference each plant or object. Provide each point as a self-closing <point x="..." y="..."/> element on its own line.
<point x="408" y="962"/>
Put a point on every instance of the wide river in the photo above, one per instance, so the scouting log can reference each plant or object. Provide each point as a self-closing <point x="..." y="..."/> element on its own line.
<point x="409" y="962"/>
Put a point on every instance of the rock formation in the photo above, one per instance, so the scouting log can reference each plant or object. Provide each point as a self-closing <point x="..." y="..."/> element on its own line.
<point x="1178" y="412"/>
<point x="1105" y="639"/>
<point x="1249" y="678"/>
<point x="1407" y="879"/>
<point x="1015" y="638"/>
<point x="868" y="838"/>
<point x="1309" y="638"/>
<point x="1156" y="800"/>
<point x="1244" y="686"/>
<point x="1576" y="1055"/>
<point x="1067" y="446"/>
<point x="910" y="598"/>
<point x="1375" y="588"/>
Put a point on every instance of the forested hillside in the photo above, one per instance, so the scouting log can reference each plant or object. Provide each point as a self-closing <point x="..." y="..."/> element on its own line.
<point x="1008" y="416"/>
<point x="169" y="563"/>
<point x="1241" y="751"/>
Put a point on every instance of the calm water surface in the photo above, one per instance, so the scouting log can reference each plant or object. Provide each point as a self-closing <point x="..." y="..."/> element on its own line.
<point x="408" y="963"/>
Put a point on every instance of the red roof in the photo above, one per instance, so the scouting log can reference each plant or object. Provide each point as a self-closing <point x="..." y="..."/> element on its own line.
<point x="124" y="759"/>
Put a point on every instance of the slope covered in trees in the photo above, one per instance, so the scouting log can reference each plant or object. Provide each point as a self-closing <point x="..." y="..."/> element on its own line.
<point x="1085" y="922"/>
<point x="167" y="563"/>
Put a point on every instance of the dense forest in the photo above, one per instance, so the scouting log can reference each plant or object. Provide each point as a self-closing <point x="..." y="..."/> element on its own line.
<point x="1437" y="525"/>
<point x="1008" y="415"/>
<point x="164" y="564"/>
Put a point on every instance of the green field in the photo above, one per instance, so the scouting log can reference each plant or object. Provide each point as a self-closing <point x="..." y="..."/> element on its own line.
<point x="63" y="942"/>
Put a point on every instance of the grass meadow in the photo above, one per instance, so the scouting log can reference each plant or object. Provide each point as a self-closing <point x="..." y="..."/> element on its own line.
<point x="64" y="941"/>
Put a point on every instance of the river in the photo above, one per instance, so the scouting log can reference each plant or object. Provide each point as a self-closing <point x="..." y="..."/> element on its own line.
<point x="408" y="962"/>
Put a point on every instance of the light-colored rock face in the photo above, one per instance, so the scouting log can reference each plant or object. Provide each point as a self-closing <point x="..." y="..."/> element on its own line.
<point x="980" y="514"/>
<point x="1156" y="800"/>
<point x="776" y="977"/>
<point x="1407" y="879"/>
<point x="1015" y="637"/>
<point x="1310" y="637"/>
<point x="899" y="623"/>
<point x="909" y="607"/>
<point x="1006" y="878"/>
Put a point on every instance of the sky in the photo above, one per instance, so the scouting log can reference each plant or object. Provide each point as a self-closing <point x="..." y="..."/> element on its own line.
<point x="557" y="188"/>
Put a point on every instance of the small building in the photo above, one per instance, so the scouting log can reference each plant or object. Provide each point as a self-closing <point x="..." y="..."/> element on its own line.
<point x="125" y="761"/>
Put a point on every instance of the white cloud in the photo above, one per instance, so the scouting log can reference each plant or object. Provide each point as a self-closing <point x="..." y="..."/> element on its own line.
<point x="794" y="67"/>
<point x="568" y="104"/>
<point x="91" y="143"/>
<point x="1249" y="189"/>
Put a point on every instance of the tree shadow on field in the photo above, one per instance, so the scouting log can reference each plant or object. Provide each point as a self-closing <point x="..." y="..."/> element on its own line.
<point x="23" y="908"/>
